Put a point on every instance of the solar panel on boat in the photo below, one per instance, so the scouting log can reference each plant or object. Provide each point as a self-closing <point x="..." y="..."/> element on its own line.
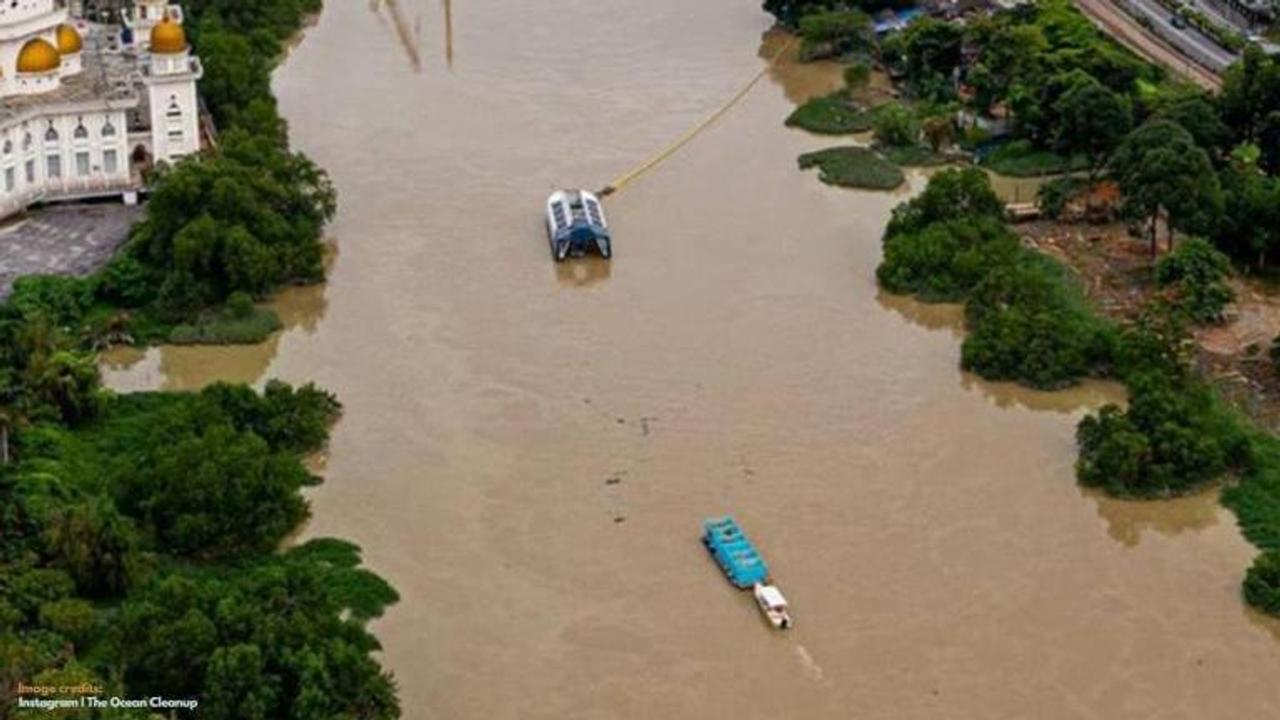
<point x="593" y="212"/>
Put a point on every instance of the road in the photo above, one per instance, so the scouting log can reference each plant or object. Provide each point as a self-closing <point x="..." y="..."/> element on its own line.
<point x="1126" y="30"/>
<point x="1189" y="40"/>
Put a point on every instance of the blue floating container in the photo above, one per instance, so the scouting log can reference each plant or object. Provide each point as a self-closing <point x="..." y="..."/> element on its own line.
<point x="733" y="552"/>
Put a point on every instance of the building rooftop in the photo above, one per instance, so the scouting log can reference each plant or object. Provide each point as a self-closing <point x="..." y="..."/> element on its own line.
<point x="109" y="76"/>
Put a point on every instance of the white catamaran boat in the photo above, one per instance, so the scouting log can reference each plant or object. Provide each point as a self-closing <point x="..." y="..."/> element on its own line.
<point x="576" y="224"/>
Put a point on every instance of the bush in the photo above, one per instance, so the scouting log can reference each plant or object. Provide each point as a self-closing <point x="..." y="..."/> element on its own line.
<point x="1053" y="196"/>
<point x="71" y="618"/>
<point x="127" y="283"/>
<point x="1028" y="323"/>
<point x="246" y="218"/>
<point x="1020" y="158"/>
<point x="857" y="74"/>
<point x="1196" y="274"/>
<point x="61" y="300"/>
<point x="1262" y="583"/>
<point x="233" y="330"/>
<point x="944" y="261"/>
<point x="833" y="33"/>
<point x="1174" y="438"/>
<point x="950" y="194"/>
<point x="896" y="126"/>
<point x="913" y="156"/>
<point x="296" y="420"/>
<point x="240" y="305"/>
<point x="834" y="114"/>
<point x="853" y="167"/>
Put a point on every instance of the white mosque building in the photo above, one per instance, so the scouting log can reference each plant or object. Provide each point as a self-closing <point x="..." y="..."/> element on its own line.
<point x="84" y="108"/>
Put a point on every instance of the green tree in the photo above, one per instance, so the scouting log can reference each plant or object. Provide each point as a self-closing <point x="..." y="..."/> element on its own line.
<point x="1172" y="439"/>
<point x="1250" y="93"/>
<point x="1161" y="170"/>
<point x="71" y="618"/>
<point x="1269" y="143"/>
<point x="94" y="544"/>
<point x="1092" y="121"/>
<point x="834" y="33"/>
<point x="1196" y="274"/>
<point x="66" y="382"/>
<point x="932" y="54"/>
<point x="1250" y="227"/>
<point x="1200" y="117"/>
<point x="939" y="130"/>
<point x="247" y="218"/>
<point x="1028" y="324"/>
<point x="216" y="491"/>
<point x="896" y="126"/>
<point x="1262" y="583"/>
<point x="238" y="687"/>
<point x="944" y="260"/>
<point x="858" y="74"/>
<point x="951" y="193"/>
<point x="1011" y="54"/>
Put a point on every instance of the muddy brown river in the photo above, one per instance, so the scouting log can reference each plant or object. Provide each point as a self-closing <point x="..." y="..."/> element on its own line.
<point x="528" y="449"/>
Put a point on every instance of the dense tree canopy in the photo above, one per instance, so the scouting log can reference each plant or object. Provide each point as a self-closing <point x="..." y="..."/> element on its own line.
<point x="267" y="641"/>
<point x="139" y="533"/>
<point x="1092" y="121"/>
<point x="1251" y="93"/>
<point x="1171" y="439"/>
<point x="245" y="219"/>
<point x="103" y="512"/>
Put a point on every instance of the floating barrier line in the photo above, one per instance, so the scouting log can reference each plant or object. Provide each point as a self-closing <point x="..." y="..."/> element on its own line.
<point x="693" y="132"/>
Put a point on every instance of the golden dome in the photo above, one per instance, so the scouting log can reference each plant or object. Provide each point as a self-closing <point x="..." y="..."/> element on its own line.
<point x="38" y="56"/>
<point x="69" y="42"/>
<point x="168" y="37"/>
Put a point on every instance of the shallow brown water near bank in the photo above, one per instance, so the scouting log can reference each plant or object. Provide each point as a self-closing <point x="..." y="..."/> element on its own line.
<point x="527" y="448"/>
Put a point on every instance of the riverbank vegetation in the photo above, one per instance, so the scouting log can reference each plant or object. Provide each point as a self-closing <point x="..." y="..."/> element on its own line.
<point x="139" y="555"/>
<point x="855" y="167"/>
<point x="834" y="114"/>
<point x="141" y="534"/>
<point x="1029" y="322"/>
<point x="246" y="216"/>
<point x="1039" y="90"/>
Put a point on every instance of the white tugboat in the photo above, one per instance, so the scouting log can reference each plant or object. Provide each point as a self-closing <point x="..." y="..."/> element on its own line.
<point x="773" y="605"/>
<point x="576" y="224"/>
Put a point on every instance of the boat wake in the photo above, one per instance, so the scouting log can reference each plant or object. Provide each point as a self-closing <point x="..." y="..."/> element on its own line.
<point x="810" y="665"/>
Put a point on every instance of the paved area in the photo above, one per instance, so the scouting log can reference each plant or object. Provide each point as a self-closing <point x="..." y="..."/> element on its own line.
<point x="1121" y="26"/>
<point x="1189" y="40"/>
<point x="63" y="240"/>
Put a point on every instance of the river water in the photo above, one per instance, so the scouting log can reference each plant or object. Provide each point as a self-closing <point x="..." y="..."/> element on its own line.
<point x="528" y="449"/>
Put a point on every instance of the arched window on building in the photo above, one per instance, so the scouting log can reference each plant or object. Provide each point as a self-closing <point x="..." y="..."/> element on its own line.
<point x="108" y="130"/>
<point x="51" y="135"/>
<point x="26" y="141"/>
<point x="81" y="133"/>
<point x="8" y="147"/>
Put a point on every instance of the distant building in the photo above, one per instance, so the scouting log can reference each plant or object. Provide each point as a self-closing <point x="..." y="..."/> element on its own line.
<point x="84" y="108"/>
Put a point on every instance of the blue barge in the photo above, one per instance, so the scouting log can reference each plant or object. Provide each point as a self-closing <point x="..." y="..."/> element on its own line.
<point x="734" y="553"/>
